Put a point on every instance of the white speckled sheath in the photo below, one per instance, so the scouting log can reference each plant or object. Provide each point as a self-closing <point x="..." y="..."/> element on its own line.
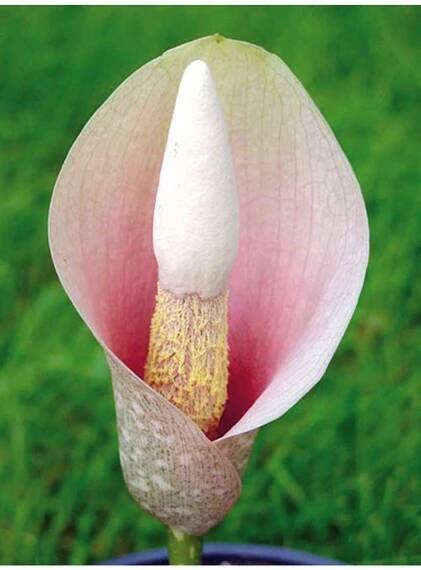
<point x="171" y="469"/>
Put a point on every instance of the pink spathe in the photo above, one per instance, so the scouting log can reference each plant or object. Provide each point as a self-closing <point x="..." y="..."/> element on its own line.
<point x="300" y="267"/>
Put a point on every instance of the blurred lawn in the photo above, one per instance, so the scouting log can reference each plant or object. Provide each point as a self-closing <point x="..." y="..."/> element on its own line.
<point x="339" y="475"/>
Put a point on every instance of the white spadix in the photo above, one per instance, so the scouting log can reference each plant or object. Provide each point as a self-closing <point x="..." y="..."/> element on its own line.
<point x="195" y="232"/>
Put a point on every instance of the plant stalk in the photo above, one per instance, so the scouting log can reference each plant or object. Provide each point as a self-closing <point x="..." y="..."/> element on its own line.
<point x="183" y="548"/>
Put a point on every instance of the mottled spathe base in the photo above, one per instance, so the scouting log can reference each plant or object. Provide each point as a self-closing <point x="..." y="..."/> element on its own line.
<point x="171" y="469"/>
<point x="188" y="355"/>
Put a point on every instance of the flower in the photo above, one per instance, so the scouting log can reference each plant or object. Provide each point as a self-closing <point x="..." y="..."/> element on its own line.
<point x="300" y="266"/>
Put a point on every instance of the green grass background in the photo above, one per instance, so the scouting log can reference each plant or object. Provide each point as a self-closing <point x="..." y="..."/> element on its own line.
<point x="339" y="475"/>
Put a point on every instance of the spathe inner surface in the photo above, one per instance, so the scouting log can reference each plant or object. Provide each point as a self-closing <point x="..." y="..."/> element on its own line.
<point x="294" y="210"/>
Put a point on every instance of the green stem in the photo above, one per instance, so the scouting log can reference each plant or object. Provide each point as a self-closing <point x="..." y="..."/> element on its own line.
<point x="184" y="548"/>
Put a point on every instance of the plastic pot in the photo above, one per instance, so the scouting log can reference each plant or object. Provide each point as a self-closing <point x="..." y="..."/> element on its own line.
<point x="240" y="554"/>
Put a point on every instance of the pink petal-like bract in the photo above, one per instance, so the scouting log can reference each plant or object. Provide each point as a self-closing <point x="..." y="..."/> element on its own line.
<point x="294" y="287"/>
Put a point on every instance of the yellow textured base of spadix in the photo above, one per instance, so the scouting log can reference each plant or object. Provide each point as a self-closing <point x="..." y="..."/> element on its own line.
<point x="188" y="355"/>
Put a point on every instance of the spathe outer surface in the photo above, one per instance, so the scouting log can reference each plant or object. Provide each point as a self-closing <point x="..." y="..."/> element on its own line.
<point x="301" y="264"/>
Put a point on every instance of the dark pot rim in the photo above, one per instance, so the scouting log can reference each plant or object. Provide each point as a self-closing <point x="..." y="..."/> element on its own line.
<point x="217" y="553"/>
